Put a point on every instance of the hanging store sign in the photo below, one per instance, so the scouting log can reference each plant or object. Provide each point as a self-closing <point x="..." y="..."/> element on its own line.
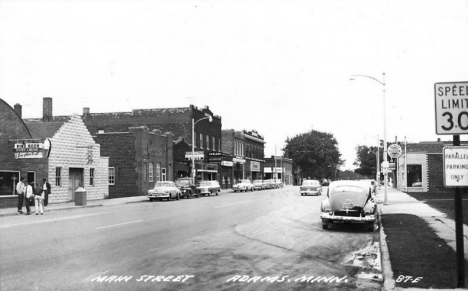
<point x="254" y="166"/>
<point x="238" y="160"/>
<point x="200" y="155"/>
<point x="32" y="149"/>
<point x="227" y="163"/>
<point x="456" y="166"/>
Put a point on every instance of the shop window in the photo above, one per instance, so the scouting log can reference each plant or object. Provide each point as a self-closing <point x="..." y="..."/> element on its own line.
<point x="111" y="176"/>
<point x="414" y="176"/>
<point x="8" y="181"/>
<point x="158" y="172"/>
<point x="58" y="176"/>
<point x="163" y="172"/>
<point x="150" y="172"/>
<point x="91" y="177"/>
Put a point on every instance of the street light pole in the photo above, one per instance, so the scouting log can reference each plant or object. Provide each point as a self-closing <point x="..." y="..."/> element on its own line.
<point x="193" y="143"/>
<point x="385" y="130"/>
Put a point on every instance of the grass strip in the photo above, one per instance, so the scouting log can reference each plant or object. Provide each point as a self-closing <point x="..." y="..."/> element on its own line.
<point x="419" y="258"/>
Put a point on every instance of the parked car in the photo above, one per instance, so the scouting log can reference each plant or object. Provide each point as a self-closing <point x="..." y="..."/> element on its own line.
<point x="243" y="185"/>
<point x="187" y="187"/>
<point x="278" y="183"/>
<point x="372" y="185"/>
<point x="349" y="202"/>
<point x="164" y="189"/>
<point x="312" y="187"/>
<point x="259" y="184"/>
<point x="208" y="188"/>
<point x="268" y="184"/>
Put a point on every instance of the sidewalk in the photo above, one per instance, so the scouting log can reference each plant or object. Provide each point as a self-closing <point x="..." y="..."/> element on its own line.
<point x="400" y="202"/>
<point x="90" y="203"/>
<point x="71" y="205"/>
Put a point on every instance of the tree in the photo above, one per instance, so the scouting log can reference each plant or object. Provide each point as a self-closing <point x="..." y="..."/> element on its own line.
<point x="314" y="153"/>
<point x="366" y="160"/>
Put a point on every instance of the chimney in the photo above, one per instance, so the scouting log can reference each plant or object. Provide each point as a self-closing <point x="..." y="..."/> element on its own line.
<point x="85" y="110"/>
<point x="47" y="109"/>
<point x="19" y="110"/>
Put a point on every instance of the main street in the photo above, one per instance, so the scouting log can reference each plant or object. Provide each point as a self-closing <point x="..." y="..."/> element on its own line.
<point x="262" y="240"/>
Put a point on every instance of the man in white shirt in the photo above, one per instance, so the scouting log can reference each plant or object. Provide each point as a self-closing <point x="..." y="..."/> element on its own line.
<point x="21" y="188"/>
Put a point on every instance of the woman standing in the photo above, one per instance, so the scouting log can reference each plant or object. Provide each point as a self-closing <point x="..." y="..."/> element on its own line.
<point x="39" y="199"/>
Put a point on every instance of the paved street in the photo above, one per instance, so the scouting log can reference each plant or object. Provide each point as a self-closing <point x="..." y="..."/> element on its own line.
<point x="262" y="240"/>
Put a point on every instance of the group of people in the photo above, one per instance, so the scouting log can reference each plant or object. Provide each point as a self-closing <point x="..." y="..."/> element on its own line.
<point x="26" y="192"/>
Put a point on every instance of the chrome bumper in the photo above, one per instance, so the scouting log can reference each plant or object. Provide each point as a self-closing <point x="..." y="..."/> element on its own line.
<point x="325" y="216"/>
<point x="158" y="195"/>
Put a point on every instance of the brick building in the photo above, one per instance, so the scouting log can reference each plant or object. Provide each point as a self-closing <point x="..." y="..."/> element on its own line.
<point x="234" y="146"/>
<point x="280" y="168"/>
<point x="178" y="121"/>
<point x="60" y="150"/>
<point x="138" y="159"/>
<point x="420" y="167"/>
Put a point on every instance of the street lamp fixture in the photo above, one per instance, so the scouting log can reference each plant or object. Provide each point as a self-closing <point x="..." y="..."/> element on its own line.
<point x="210" y="118"/>
<point x="385" y="158"/>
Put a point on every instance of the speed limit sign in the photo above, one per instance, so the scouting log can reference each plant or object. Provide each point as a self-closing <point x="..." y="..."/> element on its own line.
<point x="451" y="107"/>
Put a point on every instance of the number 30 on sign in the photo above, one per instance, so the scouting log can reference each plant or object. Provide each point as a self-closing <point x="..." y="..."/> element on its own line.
<point x="451" y="108"/>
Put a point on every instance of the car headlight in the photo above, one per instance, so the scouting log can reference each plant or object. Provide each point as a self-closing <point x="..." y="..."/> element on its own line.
<point x="165" y="191"/>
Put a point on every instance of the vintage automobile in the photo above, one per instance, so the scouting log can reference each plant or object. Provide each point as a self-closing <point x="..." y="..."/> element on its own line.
<point x="164" y="189"/>
<point x="278" y="183"/>
<point x="312" y="187"/>
<point x="243" y="185"/>
<point x="208" y="188"/>
<point x="348" y="202"/>
<point x="268" y="184"/>
<point x="187" y="187"/>
<point x="259" y="184"/>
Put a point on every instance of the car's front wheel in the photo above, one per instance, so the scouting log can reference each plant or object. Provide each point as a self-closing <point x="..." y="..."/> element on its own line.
<point x="177" y="196"/>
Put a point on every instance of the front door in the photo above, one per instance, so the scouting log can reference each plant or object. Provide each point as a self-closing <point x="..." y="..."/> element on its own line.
<point x="75" y="181"/>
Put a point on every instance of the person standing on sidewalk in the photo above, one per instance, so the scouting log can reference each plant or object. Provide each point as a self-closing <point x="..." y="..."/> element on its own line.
<point x="29" y="194"/>
<point x="38" y="199"/>
<point x="46" y="188"/>
<point x="20" y="190"/>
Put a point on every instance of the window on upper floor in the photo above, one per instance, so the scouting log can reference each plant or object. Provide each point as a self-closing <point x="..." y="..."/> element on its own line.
<point x="207" y="142"/>
<point x="201" y="140"/>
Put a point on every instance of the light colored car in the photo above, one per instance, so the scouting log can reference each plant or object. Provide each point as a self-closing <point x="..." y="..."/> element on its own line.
<point x="243" y="185"/>
<point x="349" y="202"/>
<point x="208" y="188"/>
<point x="278" y="184"/>
<point x="164" y="189"/>
<point x="311" y="187"/>
<point x="259" y="184"/>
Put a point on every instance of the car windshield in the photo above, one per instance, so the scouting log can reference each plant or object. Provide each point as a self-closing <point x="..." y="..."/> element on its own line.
<point x="244" y="181"/>
<point x="163" y="184"/>
<point x="311" y="183"/>
<point x="257" y="181"/>
<point x="205" y="183"/>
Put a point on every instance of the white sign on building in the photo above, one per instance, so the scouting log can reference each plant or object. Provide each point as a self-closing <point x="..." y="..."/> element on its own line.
<point x="456" y="166"/>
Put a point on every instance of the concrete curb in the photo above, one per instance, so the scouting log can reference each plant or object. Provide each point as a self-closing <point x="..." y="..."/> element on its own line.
<point x="56" y="209"/>
<point x="387" y="272"/>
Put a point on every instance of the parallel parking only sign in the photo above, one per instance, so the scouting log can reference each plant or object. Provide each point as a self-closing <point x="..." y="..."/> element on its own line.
<point x="451" y="107"/>
<point x="456" y="166"/>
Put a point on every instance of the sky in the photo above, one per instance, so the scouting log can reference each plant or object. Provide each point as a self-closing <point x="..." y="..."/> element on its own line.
<point x="281" y="68"/>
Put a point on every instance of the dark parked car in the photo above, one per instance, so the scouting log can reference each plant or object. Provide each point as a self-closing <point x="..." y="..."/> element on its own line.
<point x="349" y="202"/>
<point x="187" y="187"/>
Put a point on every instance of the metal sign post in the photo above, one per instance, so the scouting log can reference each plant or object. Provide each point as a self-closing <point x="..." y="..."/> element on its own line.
<point x="452" y="118"/>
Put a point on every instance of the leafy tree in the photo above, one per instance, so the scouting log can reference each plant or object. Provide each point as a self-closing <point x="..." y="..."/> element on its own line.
<point x="366" y="160"/>
<point x="315" y="154"/>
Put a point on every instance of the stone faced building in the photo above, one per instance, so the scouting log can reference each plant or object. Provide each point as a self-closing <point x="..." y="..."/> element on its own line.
<point x="58" y="149"/>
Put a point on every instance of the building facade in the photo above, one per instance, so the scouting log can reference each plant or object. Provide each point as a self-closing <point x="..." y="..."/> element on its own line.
<point x="137" y="160"/>
<point x="279" y="167"/>
<point x="181" y="122"/>
<point x="60" y="150"/>
<point x="420" y="168"/>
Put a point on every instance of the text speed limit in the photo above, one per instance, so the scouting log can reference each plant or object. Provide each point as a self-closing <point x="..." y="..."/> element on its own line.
<point x="451" y="107"/>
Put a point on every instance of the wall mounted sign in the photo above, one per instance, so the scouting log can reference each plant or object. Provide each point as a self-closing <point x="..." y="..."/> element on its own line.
<point x="32" y="149"/>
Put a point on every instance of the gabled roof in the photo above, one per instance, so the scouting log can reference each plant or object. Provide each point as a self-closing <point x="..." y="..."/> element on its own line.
<point x="39" y="129"/>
